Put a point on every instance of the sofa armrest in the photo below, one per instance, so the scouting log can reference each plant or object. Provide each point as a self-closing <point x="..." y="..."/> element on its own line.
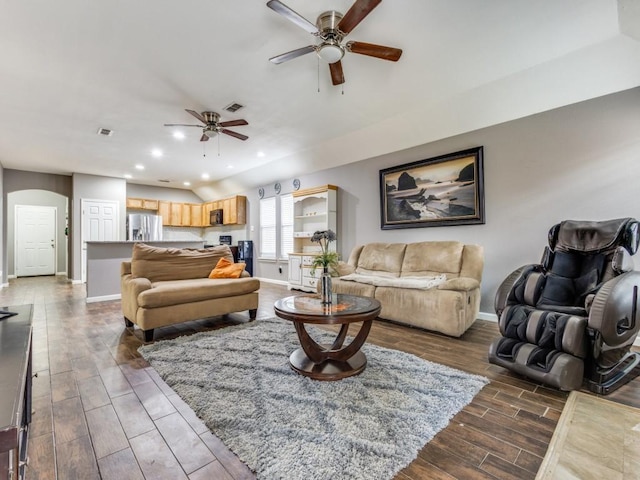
<point x="130" y="288"/>
<point x="245" y="274"/>
<point x="125" y="268"/>
<point x="343" y="268"/>
<point x="460" y="284"/>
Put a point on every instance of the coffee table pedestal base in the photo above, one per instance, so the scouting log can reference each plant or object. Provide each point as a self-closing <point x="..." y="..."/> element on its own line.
<point x="329" y="369"/>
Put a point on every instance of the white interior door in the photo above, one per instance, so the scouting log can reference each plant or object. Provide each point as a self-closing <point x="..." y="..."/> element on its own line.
<point x="35" y="248"/>
<point x="99" y="223"/>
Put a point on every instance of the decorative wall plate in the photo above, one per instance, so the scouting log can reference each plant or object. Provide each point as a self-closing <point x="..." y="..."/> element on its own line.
<point x="277" y="187"/>
<point x="296" y="184"/>
<point x="261" y="192"/>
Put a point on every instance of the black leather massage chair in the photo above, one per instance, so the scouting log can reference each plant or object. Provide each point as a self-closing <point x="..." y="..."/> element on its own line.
<point x="574" y="317"/>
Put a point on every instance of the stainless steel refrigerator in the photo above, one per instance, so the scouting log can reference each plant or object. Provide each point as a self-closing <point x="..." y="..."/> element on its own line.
<point x="144" y="228"/>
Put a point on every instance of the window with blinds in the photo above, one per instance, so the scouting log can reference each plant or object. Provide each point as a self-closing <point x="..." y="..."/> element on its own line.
<point x="268" y="241"/>
<point x="286" y="225"/>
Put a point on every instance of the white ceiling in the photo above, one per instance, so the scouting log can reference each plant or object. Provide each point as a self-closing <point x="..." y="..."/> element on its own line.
<point x="68" y="68"/>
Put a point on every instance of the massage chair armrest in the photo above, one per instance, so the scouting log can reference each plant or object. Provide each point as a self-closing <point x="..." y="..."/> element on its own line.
<point x="503" y="293"/>
<point x="461" y="284"/>
<point x="615" y="311"/>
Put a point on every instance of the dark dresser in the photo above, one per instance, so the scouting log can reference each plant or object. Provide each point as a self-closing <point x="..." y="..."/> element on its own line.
<point x="15" y="391"/>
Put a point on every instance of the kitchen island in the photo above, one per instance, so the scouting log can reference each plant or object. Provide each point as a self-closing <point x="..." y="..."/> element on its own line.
<point x="103" y="265"/>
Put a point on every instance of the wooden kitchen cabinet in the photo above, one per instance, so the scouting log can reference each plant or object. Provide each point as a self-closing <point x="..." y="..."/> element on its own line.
<point x="164" y="210"/>
<point x="185" y="216"/>
<point x="206" y="213"/>
<point x="142" y="203"/>
<point x="176" y="214"/>
<point x="196" y="215"/>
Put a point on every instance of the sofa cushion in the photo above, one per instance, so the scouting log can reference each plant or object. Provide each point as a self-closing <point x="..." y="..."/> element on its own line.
<point x="382" y="259"/>
<point x="426" y="258"/>
<point x="162" y="264"/>
<point x="176" y="292"/>
<point x="227" y="269"/>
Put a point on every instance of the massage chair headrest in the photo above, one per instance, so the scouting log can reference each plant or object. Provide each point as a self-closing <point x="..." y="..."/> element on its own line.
<point x="595" y="237"/>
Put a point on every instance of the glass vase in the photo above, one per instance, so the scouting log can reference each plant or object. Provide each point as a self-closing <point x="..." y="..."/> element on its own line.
<point x="325" y="286"/>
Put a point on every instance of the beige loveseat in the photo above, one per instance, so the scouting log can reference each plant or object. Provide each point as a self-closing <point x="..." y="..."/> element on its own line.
<point x="164" y="286"/>
<point x="431" y="285"/>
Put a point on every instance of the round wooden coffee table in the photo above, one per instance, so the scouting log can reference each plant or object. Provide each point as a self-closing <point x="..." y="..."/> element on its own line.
<point x="335" y="361"/>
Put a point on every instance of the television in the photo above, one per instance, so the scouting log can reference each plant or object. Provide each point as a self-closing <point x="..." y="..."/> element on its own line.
<point x="216" y="217"/>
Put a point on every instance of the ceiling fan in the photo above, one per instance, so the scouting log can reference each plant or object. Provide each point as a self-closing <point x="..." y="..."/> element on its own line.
<point x="331" y="27"/>
<point x="212" y="125"/>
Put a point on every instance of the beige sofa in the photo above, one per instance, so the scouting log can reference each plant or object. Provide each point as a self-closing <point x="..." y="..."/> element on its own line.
<point x="431" y="285"/>
<point x="164" y="286"/>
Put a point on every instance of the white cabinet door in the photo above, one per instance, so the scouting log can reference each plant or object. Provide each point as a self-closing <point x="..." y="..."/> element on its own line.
<point x="295" y="270"/>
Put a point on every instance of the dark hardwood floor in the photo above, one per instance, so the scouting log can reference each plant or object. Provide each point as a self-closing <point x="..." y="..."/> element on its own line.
<point x="102" y="412"/>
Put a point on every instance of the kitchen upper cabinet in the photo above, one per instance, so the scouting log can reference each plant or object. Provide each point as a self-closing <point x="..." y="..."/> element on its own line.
<point x="185" y="216"/>
<point x="142" y="204"/>
<point x="164" y="210"/>
<point x="176" y="215"/>
<point x="196" y="215"/>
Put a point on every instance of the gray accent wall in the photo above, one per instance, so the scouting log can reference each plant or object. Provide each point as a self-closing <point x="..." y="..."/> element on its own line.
<point x="577" y="162"/>
<point x="162" y="193"/>
<point x="38" y="198"/>
<point x="93" y="187"/>
<point x="18" y="180"/>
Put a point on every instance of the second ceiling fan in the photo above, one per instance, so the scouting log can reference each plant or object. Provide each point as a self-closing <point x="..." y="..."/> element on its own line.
<point x="331" y="27"/>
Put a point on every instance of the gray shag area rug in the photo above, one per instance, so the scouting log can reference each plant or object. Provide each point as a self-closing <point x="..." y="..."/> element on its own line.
<point x="287" y="426"/>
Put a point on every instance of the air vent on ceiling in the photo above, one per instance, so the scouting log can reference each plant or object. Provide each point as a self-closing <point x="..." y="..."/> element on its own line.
<point x="233" y="107"/>
<point x="164" y="181"/>
<point x="105" y="131"/>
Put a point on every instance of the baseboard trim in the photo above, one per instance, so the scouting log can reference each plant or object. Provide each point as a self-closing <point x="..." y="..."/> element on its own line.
<point x="284" y="283"/>
<point x="491" y="317"/>
<point x="76" y="282"/>
<point x="11" y="276"/>
<point x="104" y="298"/>
<point x="61" y="273"/>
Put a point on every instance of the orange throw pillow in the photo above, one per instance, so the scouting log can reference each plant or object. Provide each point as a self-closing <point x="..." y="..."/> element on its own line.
<point x="227" y="269"/>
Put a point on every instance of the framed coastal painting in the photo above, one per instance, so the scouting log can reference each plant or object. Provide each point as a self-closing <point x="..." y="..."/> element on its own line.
<point x="436" y="192"/>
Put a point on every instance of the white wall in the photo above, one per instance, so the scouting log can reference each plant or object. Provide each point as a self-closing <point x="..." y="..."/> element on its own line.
<point x="92" y="187"/>
<point x="576" y="162"/>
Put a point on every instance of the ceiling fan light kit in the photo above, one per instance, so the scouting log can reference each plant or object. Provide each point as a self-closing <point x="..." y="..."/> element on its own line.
<point x="331" y="27"/>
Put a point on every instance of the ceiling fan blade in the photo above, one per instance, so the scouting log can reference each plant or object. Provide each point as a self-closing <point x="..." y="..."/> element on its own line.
<point x="233" y="123"/>
<point x="292" y="16"/>
<point x="285" y="57"/>
<point x="197" y="115"/>
<point x="337" y="76"/>
<point x="357" y="12"/>
<point x="181" y="125"/>
<point x="378" y="51"/>
<point x="234" y="134"/>
<point x="204" y="138"/>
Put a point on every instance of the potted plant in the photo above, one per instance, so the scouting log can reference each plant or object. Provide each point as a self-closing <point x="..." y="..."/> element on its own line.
<point x="327" y="259"/>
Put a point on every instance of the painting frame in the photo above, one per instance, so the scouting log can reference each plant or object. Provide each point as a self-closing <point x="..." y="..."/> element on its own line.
<point x="446" y="190"/>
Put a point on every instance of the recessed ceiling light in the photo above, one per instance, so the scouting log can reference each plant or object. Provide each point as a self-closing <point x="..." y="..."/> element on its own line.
<point x="260" y="154"/>
<point x="128" y="176"/>
<point x="205" y="176"/>
<point x="229" y="167"/>
<point x="156" y="152"/>
<point x="178" y="135"/>
<point x="186" y="184"/>
<point x="139" y="167"/>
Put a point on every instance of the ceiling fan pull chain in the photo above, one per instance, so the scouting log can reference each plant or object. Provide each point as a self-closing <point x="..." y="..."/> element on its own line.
<point x="218" y="144"/>
<point x="318" y="74"/>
